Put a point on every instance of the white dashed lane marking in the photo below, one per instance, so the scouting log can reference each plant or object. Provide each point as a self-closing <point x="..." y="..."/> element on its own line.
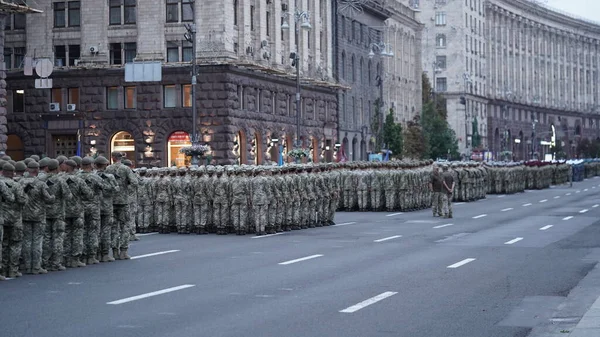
<point x="546" y="227"/>
<point x="265" y="236"/>
<point x="557" y="197"/>
<point x="568" y="217"/>
<point x="526" y="205"/>
<point x="154" y="254"/>
<point x="568" y="193"/>
<point x="154" y="293"/>
<point x="515" y="240"/>
<point x="584" y="211"/>
<point x="543" y="201"/>
<point x="300" y="259"/>
<point x="507" y="209"/>
<point x="596" y="205"/>
<point x="442" y="226"/>
<point x="368" y="302"/>
<point x="394" y="214"/>
<point x="344" y="224"/>
<point x="461" y="263"/>
<point x="388" y="238"/>
<point x="479" y="216"/>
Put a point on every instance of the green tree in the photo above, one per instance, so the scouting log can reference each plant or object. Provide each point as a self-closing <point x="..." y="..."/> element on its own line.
<point x="441" y="139"/>
<point x="375" y="125"/>
<point x="415" y="143"/>
<point x="392" y="135"/>
<point x="558" y="151"/>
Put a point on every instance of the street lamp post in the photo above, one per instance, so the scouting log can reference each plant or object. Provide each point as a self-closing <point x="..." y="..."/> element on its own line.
<point x="190" y="36"/>
<point x="385" y="50"/>
<point x="533" y="142"/>
<point x="304" y="17"/>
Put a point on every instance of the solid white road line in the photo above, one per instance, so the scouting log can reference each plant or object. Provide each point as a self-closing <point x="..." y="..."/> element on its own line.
<point x="265" y="236"/>
<point x="557" y="197"/>
<point x="568" y="218"/>
<point x="344" y="224"/>
<point x="442" y="226"/>
<point x="395" y="214"/>
<point x="461" y="263"/>
<point x="154" y="293"/>
<point x="154" y="254"/>
<point x="368" y="302"/>
<point x="300" y="259"/>
<point x="543" y="201"/>
<point x="146" y="234"/>
<point x="388" y="238"/>
<point x="479" y="216"/>
<point x="513" y="241"/>
<point x="507" y="209"/>
<point x="459" y="203"/>
<point x="546" y="227"/>
<point x="501" y="196"/>
<point x="583" y="211"/>
<point x="526" y="205"/>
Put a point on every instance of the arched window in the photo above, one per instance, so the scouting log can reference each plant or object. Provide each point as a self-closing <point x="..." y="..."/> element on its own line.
<point x="440" y="41"/>
<point x="124" y="142"/>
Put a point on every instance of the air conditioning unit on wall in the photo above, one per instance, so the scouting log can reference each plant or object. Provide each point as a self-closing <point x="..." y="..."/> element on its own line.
<point x="54" y="107"/>
<point x="71" y="107"/>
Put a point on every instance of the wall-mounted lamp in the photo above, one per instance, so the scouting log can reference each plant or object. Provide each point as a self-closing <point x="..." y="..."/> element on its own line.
<point x="93" y="142"/>
<point x="327" y="148"/>
<point x="337" y="145"/>
<point x="517" y="141"/>
<point x="149" y="140"/>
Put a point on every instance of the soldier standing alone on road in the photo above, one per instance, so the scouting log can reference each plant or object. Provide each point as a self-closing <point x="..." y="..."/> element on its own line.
<point x="435" y="186"/>
<point x="448" y="183"/>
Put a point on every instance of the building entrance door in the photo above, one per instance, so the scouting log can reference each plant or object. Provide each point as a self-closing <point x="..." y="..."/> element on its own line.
<point x="64" y="145"/>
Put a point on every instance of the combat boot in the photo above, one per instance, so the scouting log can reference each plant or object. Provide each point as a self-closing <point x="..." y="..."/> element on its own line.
<point x="116" y="255"/>
<point x="75" y="263"/>
<point x="39" y="271"/>
<point x="124" y="255"/>
<point x="92" y="260"/>
<point x="2" y="278"/>
<point x="106" y="258"/>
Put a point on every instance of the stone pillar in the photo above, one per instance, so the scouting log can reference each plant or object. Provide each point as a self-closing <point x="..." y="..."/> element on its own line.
<point x="3" y="123"/>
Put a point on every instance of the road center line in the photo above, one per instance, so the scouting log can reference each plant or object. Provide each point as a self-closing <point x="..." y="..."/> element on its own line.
<point x="368" y="302"/>
<point x="546" y="227"/>
<point x="568" y="217"/>
<point x="154" y="254"/>
<point x="344" y="224"/>
<point x="154" y="293"/>
<point x="583" y="211"/>
<point x="461" y="263"/>
<point x="388" y="238"/>
<point x="265" y="236"/>
<point x="507" y="209"/>
<point x="395" y="214"/>
<point x="300" y="259"/>
<point x="543" y="201"/>
<point x="515" y="240"/>
<point x="526" y="205"/>
<point x="442" y="226"/>
<point x="479" y="216"/>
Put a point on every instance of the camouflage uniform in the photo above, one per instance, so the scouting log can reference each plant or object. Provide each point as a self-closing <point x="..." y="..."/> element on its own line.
<point x="12" y="198"/>
<point x="110" y="188"/>
<point x="239" y="202"/>
<point x="145" y="202"/>
<point x="258" y="191"/>
<point x="362" y="189"/>
<point x="163" y="189"/>
<point x="202" y="189"/>
<point x="220" y="202"/>
<point x="91" y="213"/>
<point x="181" y="191"/>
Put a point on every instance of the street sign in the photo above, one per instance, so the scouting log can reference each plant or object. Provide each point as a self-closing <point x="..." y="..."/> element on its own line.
<point x="44" y="68"/>
<point x="43" y="83"/>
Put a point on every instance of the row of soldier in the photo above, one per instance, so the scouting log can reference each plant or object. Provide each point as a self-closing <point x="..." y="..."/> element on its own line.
<point x="59" y="213"/>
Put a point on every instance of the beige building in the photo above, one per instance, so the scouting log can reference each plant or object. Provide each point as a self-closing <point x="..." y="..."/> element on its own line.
<point x="522" y="68"/>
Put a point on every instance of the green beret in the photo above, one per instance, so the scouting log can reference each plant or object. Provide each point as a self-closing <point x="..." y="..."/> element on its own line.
<point x="100" y="160"/>
<point x="33" y="165"/>
<point x="87" y="161"/>
<point x="52" y="164"/>
<point x="76" y="159"/>
<point x="8" y="167"/>
<point x="20" y="166"/>
<point x="35" y="157"/>
<point x="44" y="162"/>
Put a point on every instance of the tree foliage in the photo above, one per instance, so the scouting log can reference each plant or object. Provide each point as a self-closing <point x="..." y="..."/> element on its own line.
<point x="558" y="151"/>
<point x="375" y="125"/>
<point x="415" y="142"/>
<point x="392" y="135"/>
<point x="588" y="149"/>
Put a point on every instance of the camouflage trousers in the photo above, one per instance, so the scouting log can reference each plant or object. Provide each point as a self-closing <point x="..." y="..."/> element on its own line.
<point x="33" y="240"/>
<point x="323" y="211"/>
<point x="11" y="248"/>
<point x="220" y="215"/>
<point x="260" y="218"/>
<point x="437" y="201"/>
<point x="133" y="209"/>
<point x="332" y="208"/>
<point x="144" y="218"/>
<point x="272" y="220"/>
<point x="201" y="215"/>
<point x="311" y="213"/>
<point x="54" y="236"/>
<point x="296" y="215"/>
<point x="376" y="200"/>
<point x="239" y="217"/>
<point x="91" y="232"/>
<point x="119" y="236"/>
<point x="280" y="216"/>
<point x="349" y="200"/>
<point x="106" y="221"/>
<point x="446" y="204"/>
<point x="390" y="200"/>
<point x="162" y="215"/>
<point x="182" y="214"/>
<point x="363" y="199"/>
<point x="73" y="244"/>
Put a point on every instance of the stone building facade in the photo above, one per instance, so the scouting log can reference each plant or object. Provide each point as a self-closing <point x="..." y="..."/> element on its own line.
<point x="514" y="63"/>
<point x="377" y="49"/>
<point x="245" y="93"/>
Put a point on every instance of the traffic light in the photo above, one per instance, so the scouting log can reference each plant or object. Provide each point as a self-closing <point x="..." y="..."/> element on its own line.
<point x="463" y="101"/>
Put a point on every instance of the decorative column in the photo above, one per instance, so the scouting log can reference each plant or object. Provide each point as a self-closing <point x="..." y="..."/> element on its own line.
<point x="3" y="102"/>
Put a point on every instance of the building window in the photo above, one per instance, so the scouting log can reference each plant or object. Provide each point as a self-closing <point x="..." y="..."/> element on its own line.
<point x="252" y="18"/>
<point x="129" y="12"/>
<point x="116" y="53"/>
<point x="186" y="97"/>
<point x="187" y="10"/>
<point x="440" y="62"/>
<point x="60" y="56"/>
<point x="59" y="15"/>
<point x="73" y="96"/>
<point x="18" y="101"/>
<point x="440" y="84"/>
<point x="66" y="55"/>
<point x="114" y="12"/>
<point x="175" y="7"/>
<point x="122" y="11"/>
<point x="15" y="21"/>
<point x="172" y="52"/>
<point x="57" y="97"/>
<point x="268" y="18"/>
<point x="8" y="58"/>
<point x="187" y="51"/>
<point x="440" y="18"/>
<point x="74" y="54"/>
<point x="440" y="41"/>
<point x="172" y="10"/>
<point x="121" y="53"/>
<point x="74" y="13"/>
<point x="112" y="98"/>
<point x="130" y="51"/>
<point x="169" y="96"/>
<point x="19" y="56"/>
<point x="130" y="98"/>
<point x="235" y="12"/>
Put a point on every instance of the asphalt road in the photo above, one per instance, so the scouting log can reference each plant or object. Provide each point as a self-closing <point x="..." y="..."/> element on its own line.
<point x="501" y="267"/>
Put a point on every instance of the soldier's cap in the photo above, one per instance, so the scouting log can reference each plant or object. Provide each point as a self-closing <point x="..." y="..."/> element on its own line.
<point x="127" y="162"/>
<point x="116" y="154"/>
<point x="33" y="165"/>
<point x="2" y="162"/>
<point x="43" y="162"/>
<point x="52" y="164"/>
<point x="143" y="170"/>
<point x="76" y="159"/>
<point x="8" y="167"/>
<point x="12" y="162"/>
<point x="35" y="157"/>
<point x="6" y="158"/>
<point x="87" y="161"/>
<point x="20" y="166"/>
<point x="61" y="159"/>
<point x="100" y="160"/>
<point x="182" y="169"/>
<point x="27" y="160"/>
<point x="71" y="163"/>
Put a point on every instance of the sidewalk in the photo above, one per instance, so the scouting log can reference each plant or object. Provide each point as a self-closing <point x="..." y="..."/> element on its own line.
<point x="589" y="325"/>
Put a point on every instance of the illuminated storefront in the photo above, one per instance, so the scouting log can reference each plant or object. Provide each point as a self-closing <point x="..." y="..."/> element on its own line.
<point x="123" y="142"/>
<point x="176" y="141"/>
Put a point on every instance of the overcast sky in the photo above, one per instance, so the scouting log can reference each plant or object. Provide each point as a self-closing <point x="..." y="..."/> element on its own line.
<point x="589" y="9"/>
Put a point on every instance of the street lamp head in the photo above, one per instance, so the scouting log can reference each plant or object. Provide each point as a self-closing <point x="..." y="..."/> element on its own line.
<point x="285" y="25"/>
<point x="306" y="25"/>
<point x="371" y="54"/>
<point x="188" y="37"/>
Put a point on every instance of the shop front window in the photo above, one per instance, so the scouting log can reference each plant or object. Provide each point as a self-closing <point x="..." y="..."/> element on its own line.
<point x="124" y="142"/>
<point x="176" y="141"/>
